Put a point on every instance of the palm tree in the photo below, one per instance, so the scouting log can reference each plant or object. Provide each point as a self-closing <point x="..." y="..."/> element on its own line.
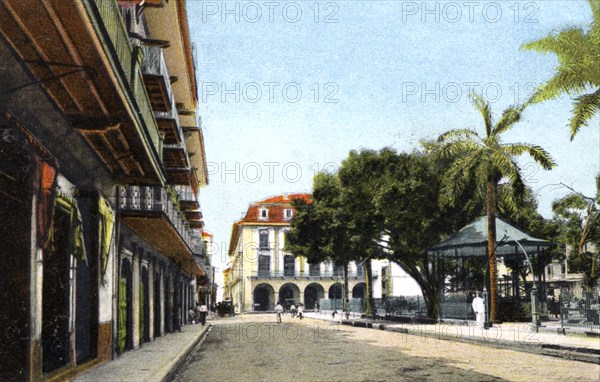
<point x="486" y="161"/>
<point x="578" y="68"/>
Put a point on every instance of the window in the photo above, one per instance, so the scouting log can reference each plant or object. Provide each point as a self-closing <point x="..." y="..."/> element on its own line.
<point x="338" y="269"/>
<point x="289" y="265"/>
<point x="263" y="239"/>
<point x="314" y="269"/>
<point x="263" y="214"/>
<point x="264" y="265"/>
<point x="360" y="269"/>
<point x="287" y="214"/>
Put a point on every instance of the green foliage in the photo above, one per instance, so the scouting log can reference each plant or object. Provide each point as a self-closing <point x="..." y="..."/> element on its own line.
<point x="484" y="158"/>
<point x="579" y="222"/>
<point x="483" y="162"/>
<point x="578" y="53"/>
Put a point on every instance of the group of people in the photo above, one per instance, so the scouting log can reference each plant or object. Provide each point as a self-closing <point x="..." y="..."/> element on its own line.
<point x="198" y="315"/>
<point x="295" y="311"/>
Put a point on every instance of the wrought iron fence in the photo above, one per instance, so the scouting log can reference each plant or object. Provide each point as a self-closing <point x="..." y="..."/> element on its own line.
<point x="580" y="308"/>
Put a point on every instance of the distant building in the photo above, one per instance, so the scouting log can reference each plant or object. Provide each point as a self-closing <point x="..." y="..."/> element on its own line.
<point x="263" y="273"/>
<point x="393" y="281"/>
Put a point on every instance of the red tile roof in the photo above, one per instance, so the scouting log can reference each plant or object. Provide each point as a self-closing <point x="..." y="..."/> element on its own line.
<point x="206" y="233"/>
<point x="275" y="205"/>
<point x="285" y="198"/>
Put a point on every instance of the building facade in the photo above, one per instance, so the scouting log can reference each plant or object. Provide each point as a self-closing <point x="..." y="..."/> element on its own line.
<point x="262" y="273"/>
<point x="101" y="159"/>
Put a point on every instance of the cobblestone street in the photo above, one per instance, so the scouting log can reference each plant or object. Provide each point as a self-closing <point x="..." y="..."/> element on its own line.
<point x="256" y="348"/>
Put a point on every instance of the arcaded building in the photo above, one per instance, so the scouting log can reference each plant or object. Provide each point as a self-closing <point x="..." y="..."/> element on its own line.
<point x="262" y="272"/>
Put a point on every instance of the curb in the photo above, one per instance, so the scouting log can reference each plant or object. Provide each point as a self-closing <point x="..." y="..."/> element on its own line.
<point x="178" y="361"/>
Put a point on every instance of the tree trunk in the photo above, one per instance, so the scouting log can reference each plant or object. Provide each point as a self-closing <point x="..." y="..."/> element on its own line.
<point x="432" y="302"/>
<point x="491" y="236"/>
<point x="369" y="307"/>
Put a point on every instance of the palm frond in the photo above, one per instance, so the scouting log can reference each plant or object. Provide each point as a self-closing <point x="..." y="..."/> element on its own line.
<point x="594" y="32"/>
<point x="455" y="148"/>
<point x="566" y="42"/>
<point x="460" y="173"/>
<point x="485" y="110"/>
<point x="541" y="156"/>
<point x="458" y="134"/>
<point x="509" y="118"/>
<point x="563" y="82"/>
<point x="584" y="108"/>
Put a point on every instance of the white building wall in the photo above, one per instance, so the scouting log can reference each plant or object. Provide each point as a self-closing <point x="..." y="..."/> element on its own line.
<point x="402" y="283"/>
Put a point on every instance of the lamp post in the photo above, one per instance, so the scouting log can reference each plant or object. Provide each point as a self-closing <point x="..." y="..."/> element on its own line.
<point x="535" y="316"/>
<point x="486" y="323"/>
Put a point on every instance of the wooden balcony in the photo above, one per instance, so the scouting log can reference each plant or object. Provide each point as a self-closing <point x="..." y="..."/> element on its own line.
<point x="90" y="70"/>
<point x="151" y="214"/>
<point x="156" y="78"/>
<point x="187" y="198"/>
<point x="168" y="124"/>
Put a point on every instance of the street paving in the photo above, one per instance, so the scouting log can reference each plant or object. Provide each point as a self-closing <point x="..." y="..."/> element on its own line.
<point x="256" y="348"/>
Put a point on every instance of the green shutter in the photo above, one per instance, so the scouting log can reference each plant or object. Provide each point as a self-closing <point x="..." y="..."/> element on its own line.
<point x="122" y="331"/>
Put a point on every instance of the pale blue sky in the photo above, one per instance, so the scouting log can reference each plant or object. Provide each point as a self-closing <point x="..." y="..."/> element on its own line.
<point x="397" y="78"/>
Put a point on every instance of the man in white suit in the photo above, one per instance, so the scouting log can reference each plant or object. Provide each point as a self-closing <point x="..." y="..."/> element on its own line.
<point x="479" y="309"/>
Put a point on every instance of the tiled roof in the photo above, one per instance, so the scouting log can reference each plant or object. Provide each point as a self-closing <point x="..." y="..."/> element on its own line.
<point x="285" y="199"/>
<point x="275" y="206"/>
<point x="206" y="233"/>
<point x="471" y="240"/>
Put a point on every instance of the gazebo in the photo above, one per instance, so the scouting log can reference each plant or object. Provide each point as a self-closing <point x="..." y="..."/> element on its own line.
<point x="463" y="260"/>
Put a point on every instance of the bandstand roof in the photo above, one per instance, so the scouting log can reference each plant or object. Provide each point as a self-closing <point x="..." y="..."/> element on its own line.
<point x="471" y="241"/>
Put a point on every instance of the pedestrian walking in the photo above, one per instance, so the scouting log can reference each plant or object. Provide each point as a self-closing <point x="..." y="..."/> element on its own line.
<point x="197" y="311"/>
<point x="203" y="312"/>
<point x="479" y="309"/>
<point x="278" y="311"/>
<point x="293" y="310"/>
<point x="300" y="310"/>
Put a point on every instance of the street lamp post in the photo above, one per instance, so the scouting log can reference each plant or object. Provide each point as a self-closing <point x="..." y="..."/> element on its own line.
<point x="535" y="316"/>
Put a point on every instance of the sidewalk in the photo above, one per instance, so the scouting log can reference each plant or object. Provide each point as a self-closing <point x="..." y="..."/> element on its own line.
<point x="516" y="336"/>
<point x="153" y="361"/>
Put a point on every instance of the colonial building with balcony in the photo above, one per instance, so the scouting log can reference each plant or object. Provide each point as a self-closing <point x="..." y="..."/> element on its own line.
<point x="102" y="158"/>
<point x="263" y="273"/>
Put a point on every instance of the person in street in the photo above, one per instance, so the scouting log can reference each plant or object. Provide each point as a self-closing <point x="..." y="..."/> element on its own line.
<point x="293" y="310"/>
<point x="203" y="312"/>
<point x="479" y="309"/>
<point x="197" y="311"/>
<point x="300" y="310"/>
<point x="192" y="316"/>
<point x="278" y="311"/>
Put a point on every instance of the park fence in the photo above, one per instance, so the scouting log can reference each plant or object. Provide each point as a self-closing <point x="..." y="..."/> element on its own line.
<point x="403" y="306"/>
<point x="580" y="308"/>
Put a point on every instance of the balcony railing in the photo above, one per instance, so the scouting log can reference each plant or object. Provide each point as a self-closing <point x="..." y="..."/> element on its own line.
<point x="305" y="275"/>
<point x="168" y="123"/>
<point x="156" y="199"/>
<point x="154" y="68"/>
<point x="117" y="36"/>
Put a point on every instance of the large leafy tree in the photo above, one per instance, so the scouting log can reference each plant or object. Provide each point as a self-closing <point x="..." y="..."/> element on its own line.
<point x="578" y="53"/>
<point x="485" y="159"/>
<point x="579" y="218"/>
<point x="319" y="230"/>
